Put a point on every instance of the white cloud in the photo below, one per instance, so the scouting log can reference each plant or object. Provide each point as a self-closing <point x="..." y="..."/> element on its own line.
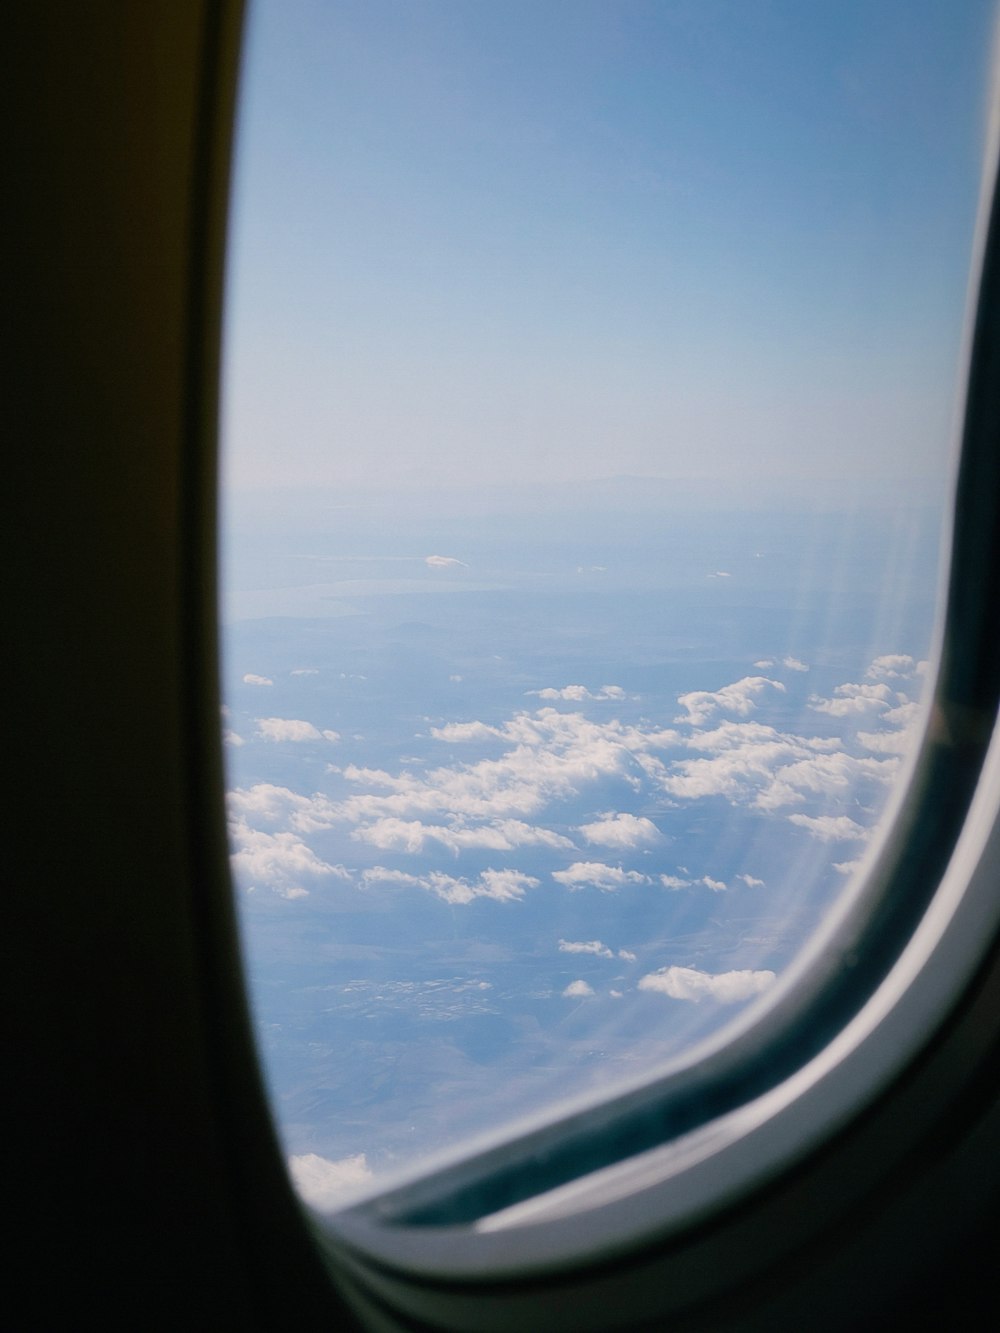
<point x="579" y="693"/>
<point x="626" y="955"/>
<point x="232" y="738"/>
<point x="716" y="885"/>
<point x="621" y="830"/>
<point x="383" y="875"/>
<point x="251" y="679"/>
<point x="824" y="775"/>
<point x="270" y="804"/>
<point x="891" y="666"/>
<point x="598" y="875"/>
<point x="278" y="860"/>
<point x="595" y="947"/>
<point x="903" y="718"/>
<point x="291" y="729"/>
<point x="547" y="757"/>
<point x="444" y="562"/>
<point x="751" y="882"/>
<point x="736" y="698"/>
<point x="790" y="663"/>
<point x="323" y="1184"/>
<point x="576" y="692"/>
<point x="674" y="882"/>
<point x="391" y="834"/>
<point x="501" y="885"/>
<point x="688" y="983"/>
<point x="852" y="699"/>
<point x="886" y="742"/>
<point x="903" y="715"/>
<point x="305" y="671"/>
<point x="459" y="732"/>
<point x="846" y="867"/>
<point x="577" y="990"/>
<point x="830" y="828"/>
<point x="550" y="756"/>
<point x="752" y="764"/>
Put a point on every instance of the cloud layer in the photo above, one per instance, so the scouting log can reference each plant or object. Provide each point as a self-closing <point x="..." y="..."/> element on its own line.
<point x="512" y="797"/>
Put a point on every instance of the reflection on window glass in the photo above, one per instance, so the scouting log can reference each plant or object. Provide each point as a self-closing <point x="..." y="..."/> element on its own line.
<point x="590" y="395"/>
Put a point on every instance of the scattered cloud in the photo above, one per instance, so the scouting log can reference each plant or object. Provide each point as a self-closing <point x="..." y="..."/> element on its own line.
<point x="595" y="947"/>
<point x="291" y="729"/>
<point x="278" y="860"/>
<point x="891" y="666"/>
<point x="549" y="756"/>
<point x="755" y="765"/>
<point x="622" y="831"/>
<point x="270" y="804"/>
<point x="737" y="698"/>
<point x="677" y="882"/>
<point x="791" y="663"/>
<point x="501" y="885"/>
<point x="460" y="732"/>
<point x="251" y="679"/>
<point x="391" y="834"/>
<point x="903" y="715"/>
<point x="598" y="875"/>
<point x="577" y="990"/>
<point x="886" y="742"/>
<point x="674" y="882"/>
<point x="444" y="562"/>
<point x="626" y="955"/>
<point x="853" y="699"/>
<point x="688" y="983"/>
<point x="846" y="867"/>
<point x="305" y="671"/>
<point x="580" y="693"/>
<point x="830" y="828"/>
<point x="232" y="738"/>
<point x="323" y="1184"/>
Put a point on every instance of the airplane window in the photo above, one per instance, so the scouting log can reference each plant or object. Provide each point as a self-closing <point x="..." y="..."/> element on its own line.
<point x="592" y="389"/>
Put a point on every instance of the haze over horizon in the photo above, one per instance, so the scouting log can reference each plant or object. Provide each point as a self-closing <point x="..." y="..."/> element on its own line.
<point x="472" y="244"/>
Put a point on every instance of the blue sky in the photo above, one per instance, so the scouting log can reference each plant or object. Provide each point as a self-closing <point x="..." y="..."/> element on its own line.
<point x="524" y="242"/>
